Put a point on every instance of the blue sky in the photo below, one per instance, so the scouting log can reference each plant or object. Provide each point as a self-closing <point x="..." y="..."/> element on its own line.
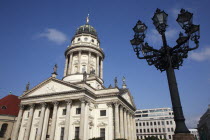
<point x="35" y="34"/>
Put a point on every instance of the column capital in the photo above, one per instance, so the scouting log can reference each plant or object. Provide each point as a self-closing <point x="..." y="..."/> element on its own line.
<point x="69" y="101"/>
<point x="31" y="105"/>
<point x="21" y="106"/>
<point x="116" y="104"/>
<point x="83" y="100"/>
<point x="55" y="103"/>
<point x="43" y="104"/>
<point x="109" y="104"/>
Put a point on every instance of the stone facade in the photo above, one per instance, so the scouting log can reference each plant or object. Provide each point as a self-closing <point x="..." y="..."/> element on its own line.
<point x="78" y="106"/>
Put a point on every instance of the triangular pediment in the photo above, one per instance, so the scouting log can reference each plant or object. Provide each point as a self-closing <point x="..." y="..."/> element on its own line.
<point x="50" y="86"/>
<point x="127" y="96"/>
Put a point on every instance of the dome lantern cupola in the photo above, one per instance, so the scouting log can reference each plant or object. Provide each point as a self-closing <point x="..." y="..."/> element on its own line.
<point x="84" y="55"/>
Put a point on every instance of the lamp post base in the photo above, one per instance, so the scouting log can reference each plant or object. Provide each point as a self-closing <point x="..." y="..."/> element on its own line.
<point x="183" y="136"/>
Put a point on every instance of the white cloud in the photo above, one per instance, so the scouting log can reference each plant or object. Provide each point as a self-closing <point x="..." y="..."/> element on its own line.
<point x="200" y="56"/>
<point x="54" y="35"/>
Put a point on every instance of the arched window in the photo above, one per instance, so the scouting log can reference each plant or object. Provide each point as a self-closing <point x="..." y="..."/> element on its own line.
<point x="3" y="130"/>
<point x="3" y="107"/>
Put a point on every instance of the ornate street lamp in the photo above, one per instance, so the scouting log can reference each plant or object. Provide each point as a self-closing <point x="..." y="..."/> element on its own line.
<point x="168" y="58"/>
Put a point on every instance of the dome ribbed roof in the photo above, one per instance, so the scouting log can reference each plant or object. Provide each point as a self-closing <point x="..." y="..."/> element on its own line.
<point x="88" y="29"/>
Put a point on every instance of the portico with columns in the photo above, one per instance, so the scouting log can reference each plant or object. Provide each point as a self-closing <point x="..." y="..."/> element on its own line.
<point x="78" y="106"/>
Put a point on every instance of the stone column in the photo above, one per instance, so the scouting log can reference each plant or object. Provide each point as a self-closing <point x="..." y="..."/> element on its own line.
<point x="121" y="123"/>
<point x="101" y="69"/>
<point x="41" y="120"/>
<point x="86" y="125"/>
<point x="117" y="132"/>
<point x="18" y="123"/>
<point x="134" y="127"/>
<point x="82" y="118"/>
<point x="131" y="130"/>
<point x="54" y="119"/>
<point x="65" y="69"/>
<point x="125" y="124"/>
<point x="70" y="64"/>
<point x="28" y="127"/>
<point x="89" y="58"/>
<point x="67" y="121"/>
<point x="97" y="65"/>
<point x="128" y="121"/>
<point x="46" y="123"/>
<point x="79" y="64"/>
<point x="110" y="121"/>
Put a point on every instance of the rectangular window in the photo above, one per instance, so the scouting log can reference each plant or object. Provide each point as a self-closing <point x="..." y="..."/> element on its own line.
<point x="147" y="123"/>
<point x="136" y="124"/>
<point x="78" y="110"/>
<point x="140" y="130"/>
<point x="167" y="122"/>
<point x="151" y="123"/>
<point x="171" y="122"/>
<point x="159" y="130"/>
<point x="102" y="112"/>
<point x="168" y="129"/>
<point x="137" y="131"/>
<point x="172" y="130"/>
<point x="143" y="124"/>
<point x="62" y="133"/>
<point x="139" y="124"/>
<point x="162" y="122"/>
<point x="155" y="129"/>
<point x="76" y="132"/>
<point x="102" y="133"/>
<point x="169" y="136"/>
<point x="148" y="130"/>
<point x="64" y="112"/>
<point x="144" y="130"/>
<point x="158" y="123"/>
<point x="164" y="130"/>
<point x="39" y="113"/>
<point x="151" y="130"/>
<point x="154" y="123"/>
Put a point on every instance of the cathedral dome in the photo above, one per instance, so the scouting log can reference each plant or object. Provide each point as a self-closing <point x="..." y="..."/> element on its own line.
<point x="87" y="28"/>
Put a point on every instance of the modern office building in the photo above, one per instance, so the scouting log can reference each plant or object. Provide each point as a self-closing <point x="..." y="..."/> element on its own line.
<point x="195" y="133"/>
<point x="204" y="125"/>
<point x="78" y="106"/>
<point x="158" y="122"/>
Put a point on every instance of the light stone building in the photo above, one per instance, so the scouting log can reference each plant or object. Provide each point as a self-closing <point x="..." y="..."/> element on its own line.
<point x="158" y="122"/>
<point x="195" y="133"/>
<point x="79" y="105"/>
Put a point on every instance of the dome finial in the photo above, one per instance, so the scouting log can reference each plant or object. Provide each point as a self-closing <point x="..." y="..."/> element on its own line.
<point x="87" y="19"/>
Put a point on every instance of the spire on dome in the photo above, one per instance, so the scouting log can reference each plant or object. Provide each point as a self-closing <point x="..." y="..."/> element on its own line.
<point x="87" y="19"/>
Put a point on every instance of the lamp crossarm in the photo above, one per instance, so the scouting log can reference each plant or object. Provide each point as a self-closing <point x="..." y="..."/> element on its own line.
<point x="145" y="57"/>
<point x="179" y="45"/>
<point x="196" y="46"/>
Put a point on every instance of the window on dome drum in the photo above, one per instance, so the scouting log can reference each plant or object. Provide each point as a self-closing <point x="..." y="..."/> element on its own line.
<point x="78" y="39"/>
<point x="92" y="40"/>
<point x="62" y="133"/>
<point x="3" y="107"/>
<point x="39" y="113"/>
<point x="3" y="130"/>
<point x="76" y="132"/>
<point x="64" y="112"/>
<point x="102" y="133"/>
<point x="103" y="113"/>
<point x="78" y="110"/>
<point x="83" y="68"/>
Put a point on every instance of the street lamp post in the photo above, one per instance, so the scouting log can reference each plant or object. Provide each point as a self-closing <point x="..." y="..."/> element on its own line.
<point x="169" y="58"/>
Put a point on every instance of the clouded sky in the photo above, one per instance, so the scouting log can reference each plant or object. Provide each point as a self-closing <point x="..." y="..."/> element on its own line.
<point x="35" y="34"/>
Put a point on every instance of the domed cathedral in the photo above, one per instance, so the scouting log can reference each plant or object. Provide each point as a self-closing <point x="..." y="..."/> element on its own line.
<point x="78" y="106"/>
